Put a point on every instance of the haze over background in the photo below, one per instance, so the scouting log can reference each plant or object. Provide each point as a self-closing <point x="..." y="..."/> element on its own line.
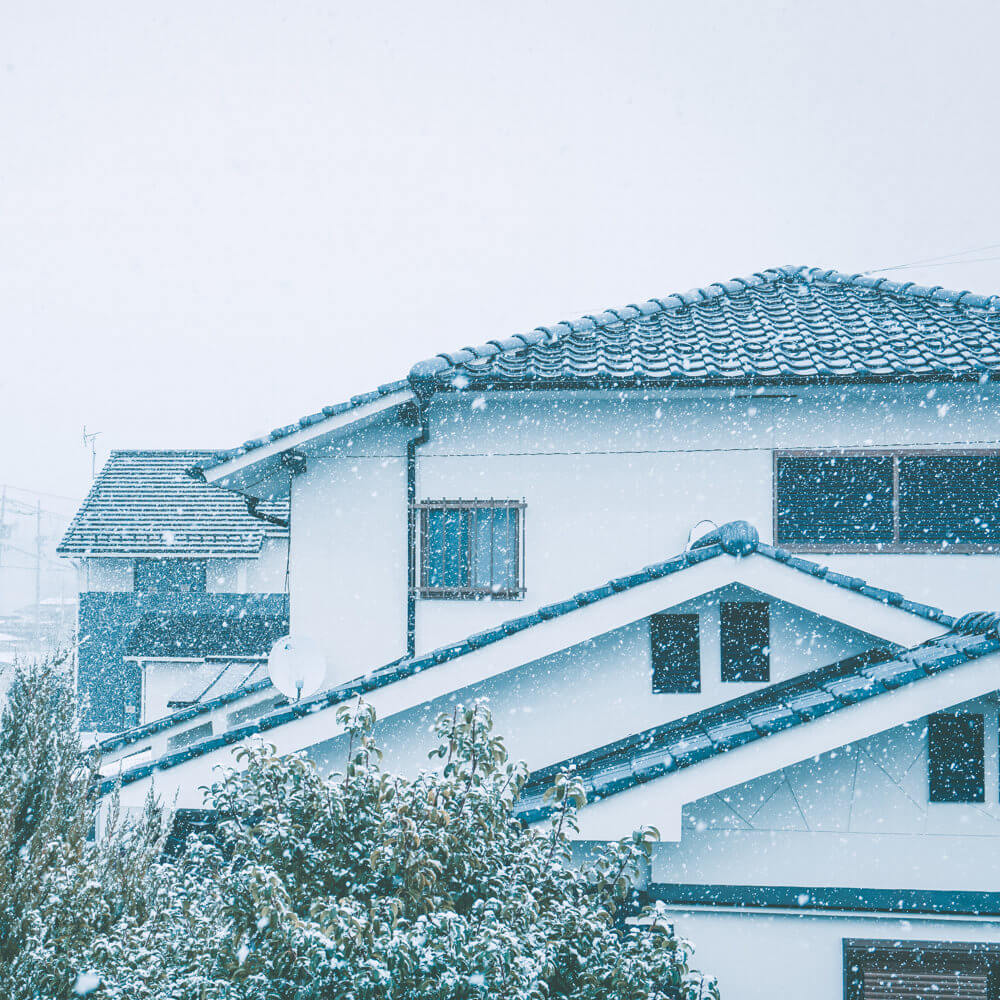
<point x="215" y="218"/>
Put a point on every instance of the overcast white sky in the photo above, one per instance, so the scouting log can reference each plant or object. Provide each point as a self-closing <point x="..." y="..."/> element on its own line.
<point x="218" y="216"/>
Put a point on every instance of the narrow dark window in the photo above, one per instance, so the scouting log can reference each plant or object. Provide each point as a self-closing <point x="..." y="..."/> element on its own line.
<point x="675" y="645"/>
<point x="170" y="575"/>
<point x="834" y="499"/>
<point x="471" y="548"/>
<point x="745" y="628"/>
<point x="955" y="754"/>
<point x="949" y="499"/>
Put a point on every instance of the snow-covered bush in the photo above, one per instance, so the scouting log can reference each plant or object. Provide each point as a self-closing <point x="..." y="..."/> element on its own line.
<point x="369" y="886"/>
<point x="59" y="887"/>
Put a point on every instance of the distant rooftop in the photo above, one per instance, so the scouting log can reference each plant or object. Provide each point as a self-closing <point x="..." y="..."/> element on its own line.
<point x="144" y="503"/>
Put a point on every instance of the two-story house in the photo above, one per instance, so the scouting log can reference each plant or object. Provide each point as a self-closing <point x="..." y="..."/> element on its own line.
<point x="720" y="553"/>
<point x="182" y="588"/>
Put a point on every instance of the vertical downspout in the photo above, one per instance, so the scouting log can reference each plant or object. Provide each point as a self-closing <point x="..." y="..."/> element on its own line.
<point x="411" y="531"/>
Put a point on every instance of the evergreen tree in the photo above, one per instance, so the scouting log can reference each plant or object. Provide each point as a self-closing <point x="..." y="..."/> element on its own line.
<point x="58" y="885"/>
<point x="369" y="886"/>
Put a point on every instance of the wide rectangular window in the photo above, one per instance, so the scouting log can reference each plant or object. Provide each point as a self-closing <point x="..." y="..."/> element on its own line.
<point x="883" y="501"/>
<point x="955" y="755"/>
<point x="745" y="633"/>
<point x="675" y="647"/>
<point x="170" y="575"/>
<point x="471" y="548"/>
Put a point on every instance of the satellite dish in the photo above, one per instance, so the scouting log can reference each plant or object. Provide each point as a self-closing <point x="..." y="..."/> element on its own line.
<point x="296" y="666"/>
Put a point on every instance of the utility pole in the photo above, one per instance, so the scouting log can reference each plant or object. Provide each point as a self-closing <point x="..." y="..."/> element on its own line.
<point x="38" y="576"/>
<point x="3" y="534"/>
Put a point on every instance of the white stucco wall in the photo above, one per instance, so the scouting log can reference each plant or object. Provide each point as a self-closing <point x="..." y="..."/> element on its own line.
<point x="613" y="482"/>
<point x="349" y="554"/>
<point x="760" y="956"/>
<point x="107" y="575"/>
<point x="857" y="816"/>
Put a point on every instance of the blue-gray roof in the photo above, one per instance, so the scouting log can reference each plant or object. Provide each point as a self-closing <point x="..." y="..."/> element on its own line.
<point x="788" y="324"/>
<point x="682" y="742"/>
<point x="779" y="326"/>
<point x="737" y="538"/>
<point x="144" y="503"/>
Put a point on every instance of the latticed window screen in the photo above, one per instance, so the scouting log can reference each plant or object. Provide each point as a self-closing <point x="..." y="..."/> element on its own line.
<point x="471" y="548"/>
<point x="888" y="501"/>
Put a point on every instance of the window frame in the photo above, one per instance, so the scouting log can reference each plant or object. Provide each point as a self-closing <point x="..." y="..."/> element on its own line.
<point x="895" y="546"/>
<point x="419" y="586"/>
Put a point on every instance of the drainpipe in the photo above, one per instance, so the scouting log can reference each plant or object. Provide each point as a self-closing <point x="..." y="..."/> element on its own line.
<point x="411" y="530"/>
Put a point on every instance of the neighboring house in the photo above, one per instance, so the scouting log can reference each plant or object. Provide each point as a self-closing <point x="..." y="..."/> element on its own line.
<point x="795" y="692"/>
<point x="156" y="551"/>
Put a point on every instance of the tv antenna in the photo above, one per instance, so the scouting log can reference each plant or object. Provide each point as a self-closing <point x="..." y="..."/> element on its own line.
<point x="91" y="440"/>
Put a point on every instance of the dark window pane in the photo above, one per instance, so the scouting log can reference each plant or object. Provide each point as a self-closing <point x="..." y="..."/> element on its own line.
<point x="170" y="575"/>
<point x="835" y="500"/>
<point x="949" y="499"/>
<point x="676" y="653"/>
<point x="955" y="757"/>
<point x="746" y="640"/>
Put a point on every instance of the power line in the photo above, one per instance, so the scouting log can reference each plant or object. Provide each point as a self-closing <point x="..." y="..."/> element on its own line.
<point x="944" y="258"/>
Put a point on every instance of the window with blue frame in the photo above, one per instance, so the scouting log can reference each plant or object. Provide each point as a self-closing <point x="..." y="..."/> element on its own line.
<point x="172" y="576"/>
<point x="471" y="548"/>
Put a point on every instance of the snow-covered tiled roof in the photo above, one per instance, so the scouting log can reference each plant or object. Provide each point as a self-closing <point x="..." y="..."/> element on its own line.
<point x="144" y="503"/>
<point x="788" y="324"/>
<point x="783" y="325"/>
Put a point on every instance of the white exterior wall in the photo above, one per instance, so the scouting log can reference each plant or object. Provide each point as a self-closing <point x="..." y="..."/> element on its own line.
<point x="857" y="816"/>
<point x="614" y="482"/>
<point x="349" y="553"/>
<point x="760" y="956"/>
<point x="266" y="573"/>
<point x="108" y="575"/>
<point x="262" y="574"/>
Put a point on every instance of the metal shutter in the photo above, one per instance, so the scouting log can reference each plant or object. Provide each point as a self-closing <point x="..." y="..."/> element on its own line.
<point x="949" y="498"/>
<point x="922" y="983"/>
<point x="930" y="971"/>
<point x="834" y="500"/>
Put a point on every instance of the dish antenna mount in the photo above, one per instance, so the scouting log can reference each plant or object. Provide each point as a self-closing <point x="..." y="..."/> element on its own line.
<point x="296" y="666"/>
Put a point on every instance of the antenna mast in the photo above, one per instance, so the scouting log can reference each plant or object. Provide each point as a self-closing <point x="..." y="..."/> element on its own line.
<point x="91" y="440"/>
